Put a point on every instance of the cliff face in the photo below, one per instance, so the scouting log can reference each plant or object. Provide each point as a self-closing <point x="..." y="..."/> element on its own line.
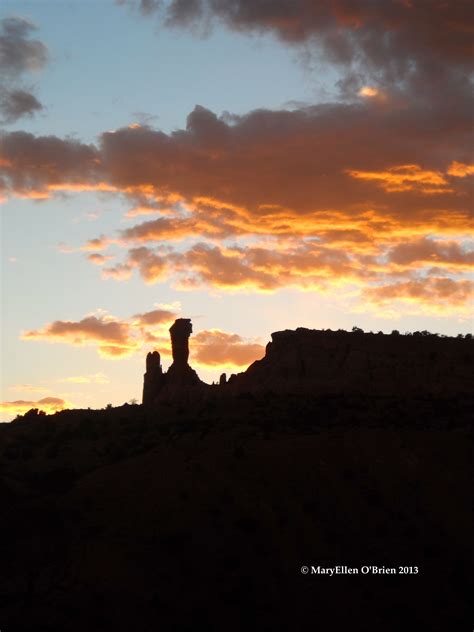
<point x="312" y="361"/>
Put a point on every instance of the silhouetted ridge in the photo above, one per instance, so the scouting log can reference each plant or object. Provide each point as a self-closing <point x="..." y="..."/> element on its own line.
<point x="317" y="361"/>
<point x="209" y="499"/>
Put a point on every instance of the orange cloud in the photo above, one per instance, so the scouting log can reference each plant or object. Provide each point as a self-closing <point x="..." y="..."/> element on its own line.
<point x="460" y="170"/>
<point x="308" y="198"/>
<point x="156" y="317"/>
<point x="161" y="229"/>
<point x="112" y="337"/>
<point x="259" y="268"/>
<point x="324" y="265"/>
<point x="165" y="205"/>
<point x="99" y="259"/>
<point x="292" y="162"/>
<point x="81" y="187"/>
<point x="448" y="254"/>
<point x="119" y="272"/>
<point x="99" y="243"/>
<point x="48" y="404"/>
<point x="406" y="178"/>
<point x="216" y="348"/>
<point x="152" y="267"/>
<point x="433" y="295"/>
<point x="368" y="91"/>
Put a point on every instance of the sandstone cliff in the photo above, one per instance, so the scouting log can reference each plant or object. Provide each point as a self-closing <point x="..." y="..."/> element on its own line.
<point x="314" y="361"/>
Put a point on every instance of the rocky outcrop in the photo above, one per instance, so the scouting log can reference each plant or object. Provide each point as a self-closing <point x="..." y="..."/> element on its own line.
<point x="180" y="331"/>
<point x="310" y="362"/>
<point x="180" y="374"/>
<point x="323" y="362"/>
<point x="180" y="381"/>
<point x="153" y="380"/>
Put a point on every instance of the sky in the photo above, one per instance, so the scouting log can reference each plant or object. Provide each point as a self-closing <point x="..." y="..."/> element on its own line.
<point x="251" y="165"/>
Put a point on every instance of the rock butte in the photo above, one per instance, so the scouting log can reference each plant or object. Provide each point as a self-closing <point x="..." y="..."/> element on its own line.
<point x="180" y="378"/>
<point x="318" y="362"/>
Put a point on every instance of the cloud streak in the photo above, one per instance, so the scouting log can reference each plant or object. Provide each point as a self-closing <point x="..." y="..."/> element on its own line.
<point x="47" y="404"/>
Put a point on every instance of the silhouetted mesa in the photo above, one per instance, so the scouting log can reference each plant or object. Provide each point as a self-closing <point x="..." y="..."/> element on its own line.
<point x="311" y="362"/>
<point x="180" y="377"/>
<point x="318" y="362"/>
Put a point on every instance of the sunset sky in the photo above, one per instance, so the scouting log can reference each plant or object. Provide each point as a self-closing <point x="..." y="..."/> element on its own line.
<point x="253" y="165"/>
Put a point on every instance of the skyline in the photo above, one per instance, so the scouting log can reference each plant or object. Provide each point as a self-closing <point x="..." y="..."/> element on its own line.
<point x="249" y="165"/>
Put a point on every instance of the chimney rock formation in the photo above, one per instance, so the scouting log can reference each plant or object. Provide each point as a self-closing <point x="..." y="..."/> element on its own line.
<point x="180" y="332"/>
<point x="179" y="376"/>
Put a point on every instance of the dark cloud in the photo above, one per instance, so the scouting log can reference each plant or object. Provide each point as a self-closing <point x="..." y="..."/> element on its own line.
<point x="30" y="163"/>
<point x="17" y="103"/>
<point x="19" y="53"/>
<point x="334" y="156"/>
<point x="394" y="43"/>
<point x="146" y="7"/>
<point x="303" y="160"/>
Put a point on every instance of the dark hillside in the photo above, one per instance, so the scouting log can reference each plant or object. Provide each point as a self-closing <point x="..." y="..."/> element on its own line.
<point x="204" y="510"/>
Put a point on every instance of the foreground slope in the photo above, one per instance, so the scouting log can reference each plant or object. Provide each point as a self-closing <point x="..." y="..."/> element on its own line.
<point x="206" y="510"/>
